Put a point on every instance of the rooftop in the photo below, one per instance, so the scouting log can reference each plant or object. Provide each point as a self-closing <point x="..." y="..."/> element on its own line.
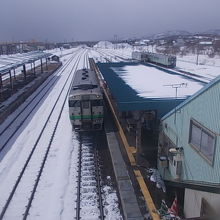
<point x="143" y="87"/>
<point x="8" y="62"/>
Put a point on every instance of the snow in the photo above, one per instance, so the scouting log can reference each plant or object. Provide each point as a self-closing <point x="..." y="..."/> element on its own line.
<point x="208" y="67"/>
<point x="150" y="82"/>
<point x="56" y="194"/>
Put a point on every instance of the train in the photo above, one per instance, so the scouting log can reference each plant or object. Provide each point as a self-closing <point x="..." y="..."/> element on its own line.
<point x="160" y="59"/>
<point x="86" y="103"/>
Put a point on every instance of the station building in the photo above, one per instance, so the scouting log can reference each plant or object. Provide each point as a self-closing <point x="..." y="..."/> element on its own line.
<point x="189" y="151"/>
<point x="142" y="95"/>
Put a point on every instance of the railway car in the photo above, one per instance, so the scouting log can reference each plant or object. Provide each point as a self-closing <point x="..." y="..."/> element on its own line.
<point x="139" y="56"/>
<point x="161" y="59"/>
<point x="86" y="101"/>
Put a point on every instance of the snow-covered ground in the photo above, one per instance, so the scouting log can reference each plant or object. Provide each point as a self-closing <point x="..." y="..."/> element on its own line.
<point x="56" y="193"/>
<point x="208" y="67"/>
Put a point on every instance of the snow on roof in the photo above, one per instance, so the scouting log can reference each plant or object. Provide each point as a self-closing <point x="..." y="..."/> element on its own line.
<point x="15" y="60"/>
<point x="150" y="82"/>
<point x="104" y="44"/>
<point x="206" y="43"/>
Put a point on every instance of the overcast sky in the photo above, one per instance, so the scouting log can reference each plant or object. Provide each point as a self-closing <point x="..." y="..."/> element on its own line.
<point x="67" y="20"/>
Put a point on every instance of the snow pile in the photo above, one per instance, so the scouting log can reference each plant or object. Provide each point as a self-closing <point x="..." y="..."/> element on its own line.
<point x="104" y="44"/>
<point x="123" y="46"/>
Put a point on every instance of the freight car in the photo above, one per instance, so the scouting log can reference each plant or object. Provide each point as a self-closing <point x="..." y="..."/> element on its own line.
<point x="86" y="101"/>
<point x="139" y="56"/>
<point x="160" y="59"/>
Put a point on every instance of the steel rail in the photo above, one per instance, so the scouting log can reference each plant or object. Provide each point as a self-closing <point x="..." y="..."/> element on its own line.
<point x="98" y="177"/>
<point x="47" y="152"/>
<point x="32" y="151"/>
<point x="60" y="71"/>
<point x="32" y="109"/>
<point x="79" y="179"/>
<point x="98" y="181"/>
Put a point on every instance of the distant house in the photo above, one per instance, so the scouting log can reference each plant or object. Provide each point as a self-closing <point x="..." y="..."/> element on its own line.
<point x="189" y="150"/>
<point x="55" y="58"/>
<point x="216" y="45"/>
<point x="179" y="42"/>
<point x="41" y="47"/>
<point x="66" y="46"/>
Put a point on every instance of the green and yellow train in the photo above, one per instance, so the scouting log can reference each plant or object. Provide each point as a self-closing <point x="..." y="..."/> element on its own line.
<point x="86" y="101"/>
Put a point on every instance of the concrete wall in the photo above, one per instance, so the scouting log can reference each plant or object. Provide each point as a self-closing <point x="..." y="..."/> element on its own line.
<point x="193" y="201"/>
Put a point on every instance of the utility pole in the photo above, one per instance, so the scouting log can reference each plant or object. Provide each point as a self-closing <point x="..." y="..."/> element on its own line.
<point x="115" y="40"/>
<point x="197" y="53"/>
<point x="176" y="87"/>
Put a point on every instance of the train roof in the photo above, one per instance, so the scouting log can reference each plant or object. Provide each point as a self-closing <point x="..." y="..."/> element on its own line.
<point x="85" y="81"/>
<point x="160" y="54"/>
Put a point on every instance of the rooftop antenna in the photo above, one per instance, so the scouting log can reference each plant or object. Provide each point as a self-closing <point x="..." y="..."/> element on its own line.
<point x="176" y="87"/>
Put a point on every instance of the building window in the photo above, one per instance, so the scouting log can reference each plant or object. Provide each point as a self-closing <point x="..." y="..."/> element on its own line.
<point x="202" y="140"/>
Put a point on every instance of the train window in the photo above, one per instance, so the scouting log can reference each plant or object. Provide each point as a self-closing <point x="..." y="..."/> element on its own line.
<point x="97" y="102"/>
<point x="85" y="104"/>
<point x="74" y="103"/>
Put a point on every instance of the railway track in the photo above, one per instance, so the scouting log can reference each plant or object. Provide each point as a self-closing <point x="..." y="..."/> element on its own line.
<point x="10" y="128"/>
<point x="112" y="56"/>
<point x="86" y="60"/>
<point x="89" y="204"/>
<point x="119" y="56"/>
<point x="28" y="180"/>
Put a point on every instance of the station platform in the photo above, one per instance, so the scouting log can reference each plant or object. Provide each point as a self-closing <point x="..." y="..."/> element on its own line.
<point x="19" y="95"/>
<point x="127" y="171"/>
<point x="128" y="199"/>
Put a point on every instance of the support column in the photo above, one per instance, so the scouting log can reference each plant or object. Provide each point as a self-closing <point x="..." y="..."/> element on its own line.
<point x="25" y="73"/>
<point x="41" y="66"/>
<point x="46" y="64"/>
<point x="34" y="70"/>
<point x="14" y="74"/>
<point x="138" y="140"/>
<point x="1" y="87"/>
<point x="11" y="81"/>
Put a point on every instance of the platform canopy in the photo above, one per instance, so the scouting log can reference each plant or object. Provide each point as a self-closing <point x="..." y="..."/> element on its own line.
<point x="9" y="62"/>
<point x="144" y="87"/>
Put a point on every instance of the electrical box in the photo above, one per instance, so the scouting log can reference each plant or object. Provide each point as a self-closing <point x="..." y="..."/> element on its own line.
<point x="163" y="161"/>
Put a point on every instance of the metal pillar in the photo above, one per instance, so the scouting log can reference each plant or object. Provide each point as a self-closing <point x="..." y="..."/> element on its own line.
<point x="34" y="70"/>
<point x="11" y="81"/>
<point x="41" y="66"/>
<point x="14" y="75"/>
<point x="1" y="87"/>
<point x="25" y="73"/>
<point x="138" y="138"/>
<point x="46" y="64"/>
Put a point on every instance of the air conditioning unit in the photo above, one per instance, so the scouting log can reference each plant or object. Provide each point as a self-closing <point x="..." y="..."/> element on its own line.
<point x="176" y="164"/>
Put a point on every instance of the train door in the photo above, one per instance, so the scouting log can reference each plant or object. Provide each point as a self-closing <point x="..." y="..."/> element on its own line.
<point x="86" y="114"/>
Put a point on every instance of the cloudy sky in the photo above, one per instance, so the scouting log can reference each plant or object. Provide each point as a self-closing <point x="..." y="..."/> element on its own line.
<point x="67" y="20"/>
